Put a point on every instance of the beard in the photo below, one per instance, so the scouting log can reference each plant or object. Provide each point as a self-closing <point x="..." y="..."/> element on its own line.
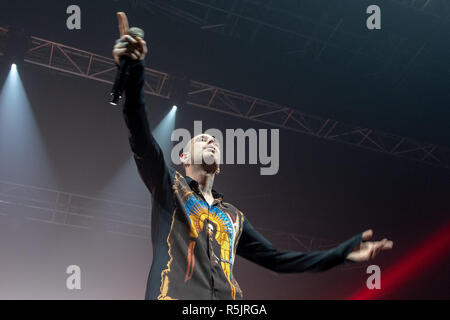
<point x="210" y="168"/>
<point x="209" y="163"/>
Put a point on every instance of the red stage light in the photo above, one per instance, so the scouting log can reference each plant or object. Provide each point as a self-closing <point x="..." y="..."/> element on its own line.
<point x="414" y="262"/>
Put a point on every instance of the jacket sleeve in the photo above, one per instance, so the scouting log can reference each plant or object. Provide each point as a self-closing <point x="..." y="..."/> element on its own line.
<point x="147" y="153"/>
<point x="254" y="247"/>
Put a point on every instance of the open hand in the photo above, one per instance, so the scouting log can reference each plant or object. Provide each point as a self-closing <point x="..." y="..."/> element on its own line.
<point x="369" y="249"/>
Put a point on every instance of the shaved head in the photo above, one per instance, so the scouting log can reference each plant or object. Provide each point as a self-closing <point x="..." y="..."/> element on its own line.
<point x="202" y="150"/>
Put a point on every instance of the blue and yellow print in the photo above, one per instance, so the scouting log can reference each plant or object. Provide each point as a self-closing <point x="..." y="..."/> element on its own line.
<point x="197" y="211"/>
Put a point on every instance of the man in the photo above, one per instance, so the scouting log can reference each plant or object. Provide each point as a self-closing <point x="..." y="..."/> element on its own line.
<point x="195" y="234"/>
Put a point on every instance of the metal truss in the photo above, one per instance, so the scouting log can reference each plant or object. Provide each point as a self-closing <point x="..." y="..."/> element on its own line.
<point x="42" y="205"/>
<point x="85" y="64"/>
<point x="89" y="65"/>
<point x="73" y="210"/>
<point x="259" y="110"/>
<point x="62" y="58"/>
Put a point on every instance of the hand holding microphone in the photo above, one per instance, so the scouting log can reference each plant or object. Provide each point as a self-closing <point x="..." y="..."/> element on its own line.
<point x="130" y="46"/>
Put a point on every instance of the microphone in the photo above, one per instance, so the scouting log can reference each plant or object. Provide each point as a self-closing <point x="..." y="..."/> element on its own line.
<point x="123" y="71"/>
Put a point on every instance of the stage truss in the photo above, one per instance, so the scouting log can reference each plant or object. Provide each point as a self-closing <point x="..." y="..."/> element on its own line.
<point x="62" y="58"/>
<point x="103" y="214"/>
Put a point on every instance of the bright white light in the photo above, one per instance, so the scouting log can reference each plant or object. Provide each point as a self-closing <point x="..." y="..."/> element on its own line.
<point x="163" y="131"/>
<point x="17" y="120"/>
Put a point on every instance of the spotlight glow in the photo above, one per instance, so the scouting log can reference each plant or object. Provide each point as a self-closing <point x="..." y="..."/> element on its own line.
<point x="163" y="132"/>
<point x="20" y="137"/>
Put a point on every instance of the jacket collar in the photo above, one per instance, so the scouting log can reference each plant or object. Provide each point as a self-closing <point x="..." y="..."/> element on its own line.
<point x="195" y="186"/>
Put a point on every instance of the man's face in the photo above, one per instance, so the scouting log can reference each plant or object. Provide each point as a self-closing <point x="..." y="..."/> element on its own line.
<point x="204" y="149"/>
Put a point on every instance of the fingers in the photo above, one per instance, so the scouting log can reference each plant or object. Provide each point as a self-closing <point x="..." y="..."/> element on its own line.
<point x="373" y="253"/>
<point x="117" y="53"/>
<point x="121" y="49"/>
<point x="123" y="23"/>
<point x="143" y="44"/>
<point x="127" y="42"/>
<point x="388" y="244"/>
<point x="377" y="249"/>
<point x="378" y="246"/>
<point x="127" y="45"/>
<point x="135" y="55"/>
<point x="385" y="244"/>
<point x="141" y="41"/>
<point x="127" y="39"/>
<point x="367" y="235"/>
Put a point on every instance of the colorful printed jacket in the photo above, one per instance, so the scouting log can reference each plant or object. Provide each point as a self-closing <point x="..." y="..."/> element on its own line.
<point x="194" y="244"/>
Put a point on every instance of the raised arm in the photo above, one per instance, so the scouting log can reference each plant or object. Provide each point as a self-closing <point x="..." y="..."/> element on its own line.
<point x="255" y="247"/>
<point x="147" y="153"/>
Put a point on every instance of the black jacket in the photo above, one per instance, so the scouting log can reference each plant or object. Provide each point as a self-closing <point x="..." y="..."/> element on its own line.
<point x="194" y="244"/>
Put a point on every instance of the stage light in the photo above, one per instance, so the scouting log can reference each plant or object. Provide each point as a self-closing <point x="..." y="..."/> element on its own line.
<point x="163" y="131"/>
<point x="20" y="137"/>
<point x="124" y="184"/>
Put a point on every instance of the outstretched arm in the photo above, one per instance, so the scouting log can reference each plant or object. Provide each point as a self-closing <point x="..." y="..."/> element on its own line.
<point x="147" y="153"/>
<point x="256" y="248"/>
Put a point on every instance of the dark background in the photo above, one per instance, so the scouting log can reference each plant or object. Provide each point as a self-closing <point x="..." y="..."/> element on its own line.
<point x="323" y="190"/>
